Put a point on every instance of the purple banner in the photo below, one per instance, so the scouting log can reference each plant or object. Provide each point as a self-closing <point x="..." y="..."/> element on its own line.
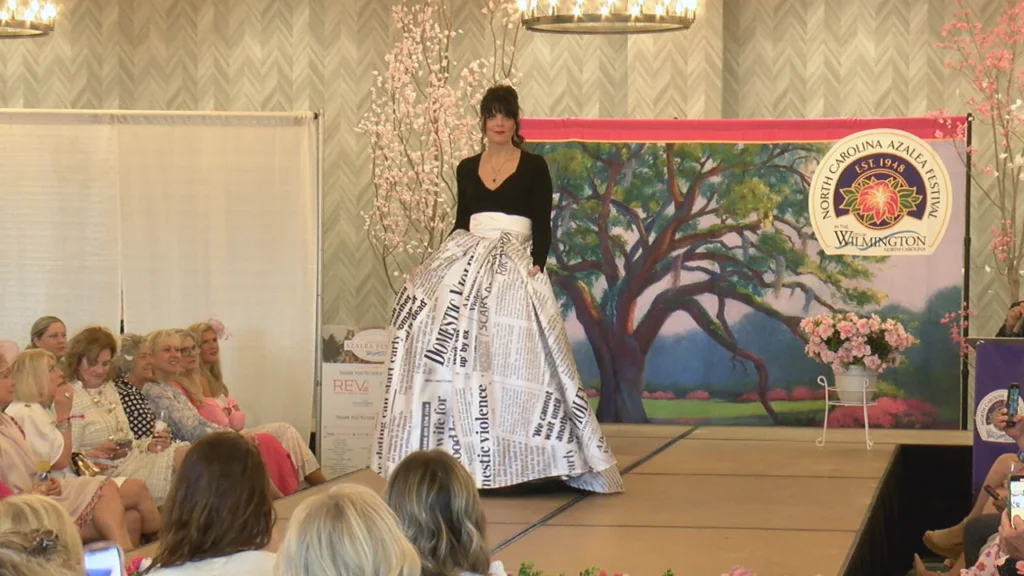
<point x="1000" y="361"/>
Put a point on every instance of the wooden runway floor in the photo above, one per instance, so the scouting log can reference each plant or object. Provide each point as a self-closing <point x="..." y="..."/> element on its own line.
<point x="699" y="500"/>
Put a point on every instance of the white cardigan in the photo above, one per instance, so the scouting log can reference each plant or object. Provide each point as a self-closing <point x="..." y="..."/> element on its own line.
<point x="251" y="563"/>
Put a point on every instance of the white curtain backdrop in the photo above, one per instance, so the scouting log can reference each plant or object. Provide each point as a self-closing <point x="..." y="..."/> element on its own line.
<point x="58" y="221"/>
<point x="219" y="218"/>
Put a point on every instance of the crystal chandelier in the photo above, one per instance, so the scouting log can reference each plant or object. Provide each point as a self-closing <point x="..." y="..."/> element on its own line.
<point x="607" y="16"/>
<point x="21" y="18"/>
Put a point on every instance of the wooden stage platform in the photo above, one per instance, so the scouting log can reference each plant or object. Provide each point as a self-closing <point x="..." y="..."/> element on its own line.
<point x="700" y="500"/>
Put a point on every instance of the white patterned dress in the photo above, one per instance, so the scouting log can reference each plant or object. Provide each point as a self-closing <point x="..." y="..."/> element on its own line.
<point x="103" y="420"/>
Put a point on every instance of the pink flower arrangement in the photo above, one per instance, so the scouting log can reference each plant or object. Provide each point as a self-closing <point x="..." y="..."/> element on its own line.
<point x="844" y="340"/>
<point x="591" y="393"/>
<point x="698" y="395"/>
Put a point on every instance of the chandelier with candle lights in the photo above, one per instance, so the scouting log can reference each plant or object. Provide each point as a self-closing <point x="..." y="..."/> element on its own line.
<point x="23" y="18"/>
<point x="607" y="16"/>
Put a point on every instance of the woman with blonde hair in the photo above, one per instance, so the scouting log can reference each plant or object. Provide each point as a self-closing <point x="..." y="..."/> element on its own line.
<point x="167" y="396"/>
<point x="42" y="408"/>
<point x="99" y="424"/>
<point x="349" y="531"/>
<point x="437" y="504"/>
<point x="21" y="558"/>
<point x="93" y="503"/>
<point x="38" y="523"/>
<point x="219" y="516"/>
<point x="224" y="410"/>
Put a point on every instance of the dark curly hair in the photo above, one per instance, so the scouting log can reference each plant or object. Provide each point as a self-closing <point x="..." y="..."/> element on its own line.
<point x="502" y="100"/>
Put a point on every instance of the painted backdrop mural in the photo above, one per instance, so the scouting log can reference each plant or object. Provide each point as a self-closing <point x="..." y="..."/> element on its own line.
<point x="684" y="270"/>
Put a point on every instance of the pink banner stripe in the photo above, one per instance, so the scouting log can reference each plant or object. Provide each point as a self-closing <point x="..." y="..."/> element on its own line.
<point x="749" y="131"/>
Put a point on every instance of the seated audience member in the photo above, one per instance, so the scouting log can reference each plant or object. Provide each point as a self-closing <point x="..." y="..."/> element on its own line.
<point x="49" y="333"/>
<point x="219" y="516"/>
<point x="177" y="404"/>
<point x="950" y="542"/>
<point x="93" y="503"/>
<point x="99" y="425"/>
<point x="133" y="368"/>
<point x="437" y="504"/>
<point x="1013" y="327"/>
<point x="348" y="531"/>
<point x="41" y="529"/>
<point x="42" y="408"/>
<point x="205" y="368"/>
<point x="1001" y="557"/>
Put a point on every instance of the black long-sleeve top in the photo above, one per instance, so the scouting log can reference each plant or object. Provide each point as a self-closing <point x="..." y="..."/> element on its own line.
<point x="1003" y="331"/>
<point x="527" y="192"/>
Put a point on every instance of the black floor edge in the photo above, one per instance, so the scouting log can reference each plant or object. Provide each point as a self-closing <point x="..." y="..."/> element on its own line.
<point x="859" y="542"/>
<point x="581" y="497"/>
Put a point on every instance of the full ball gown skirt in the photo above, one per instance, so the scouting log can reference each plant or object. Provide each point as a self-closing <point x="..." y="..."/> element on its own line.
<point x="481" y="367"/>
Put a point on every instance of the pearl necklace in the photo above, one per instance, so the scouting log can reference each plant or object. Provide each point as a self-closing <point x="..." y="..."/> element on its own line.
<point x="96" y="395"/>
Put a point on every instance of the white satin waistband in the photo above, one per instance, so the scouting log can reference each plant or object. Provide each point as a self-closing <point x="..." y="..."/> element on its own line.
<point x="496" y="223"/>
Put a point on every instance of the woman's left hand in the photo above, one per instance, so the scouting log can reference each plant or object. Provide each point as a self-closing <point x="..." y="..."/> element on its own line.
<point x="1011" y="537"/>
<point x="534" y="271"/>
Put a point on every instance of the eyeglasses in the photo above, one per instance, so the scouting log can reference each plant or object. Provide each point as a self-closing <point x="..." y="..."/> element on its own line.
<point x="187" y="351"/>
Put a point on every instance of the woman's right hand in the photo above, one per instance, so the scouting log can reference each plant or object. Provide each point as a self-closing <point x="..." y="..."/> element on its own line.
<point x="160" y="441"/>
<point x="63" y="399"/>
<point x="999" y="421"/>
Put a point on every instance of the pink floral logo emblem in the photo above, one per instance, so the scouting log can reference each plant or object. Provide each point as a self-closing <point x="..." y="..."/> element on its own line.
<point x="880" y="203"/>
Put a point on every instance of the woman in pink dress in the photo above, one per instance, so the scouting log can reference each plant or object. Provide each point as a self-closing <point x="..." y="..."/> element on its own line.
<point x="176" y="405"/>
<point x="93" y="503"/>
<point x="206" y="369"/>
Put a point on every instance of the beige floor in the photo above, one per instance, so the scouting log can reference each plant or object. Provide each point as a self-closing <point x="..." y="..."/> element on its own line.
<point x="699" y="501"/>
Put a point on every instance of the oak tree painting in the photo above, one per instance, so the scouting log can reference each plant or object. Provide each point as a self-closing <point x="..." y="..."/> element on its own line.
<point x="698" y="227"/>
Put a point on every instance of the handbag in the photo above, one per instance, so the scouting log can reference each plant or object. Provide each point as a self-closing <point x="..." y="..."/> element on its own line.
<point x="83" y="467"/>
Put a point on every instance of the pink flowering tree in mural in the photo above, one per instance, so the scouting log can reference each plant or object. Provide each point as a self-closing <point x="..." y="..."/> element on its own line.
<point x="987" y="57"/>
<point x="422" y="121"/>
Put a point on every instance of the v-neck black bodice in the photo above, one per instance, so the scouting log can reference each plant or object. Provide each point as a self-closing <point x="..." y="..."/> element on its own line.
<point x="527" y="192"/>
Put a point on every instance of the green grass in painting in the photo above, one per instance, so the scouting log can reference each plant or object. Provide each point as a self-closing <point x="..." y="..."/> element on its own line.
<point x="695" y="409"/>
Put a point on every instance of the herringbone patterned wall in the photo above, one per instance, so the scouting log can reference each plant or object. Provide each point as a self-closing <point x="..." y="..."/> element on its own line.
<point x="744" y="58"/>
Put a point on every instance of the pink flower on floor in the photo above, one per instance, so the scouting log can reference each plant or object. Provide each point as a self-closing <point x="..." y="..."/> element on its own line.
<point x="739" y="571"/>
<point x="1020" y="567"/>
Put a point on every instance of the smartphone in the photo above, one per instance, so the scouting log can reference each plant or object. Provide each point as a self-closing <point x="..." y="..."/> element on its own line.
<point x="1012" y="401"/>
<point x="1015" y="504"/>
<point x="106" y="559"/>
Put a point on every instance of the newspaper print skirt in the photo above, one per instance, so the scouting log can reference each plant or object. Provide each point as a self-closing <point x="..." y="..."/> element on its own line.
<point x="481" y="368"/>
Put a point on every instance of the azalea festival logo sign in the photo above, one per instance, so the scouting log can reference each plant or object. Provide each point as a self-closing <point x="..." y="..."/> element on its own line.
<point x="880" y="192"/>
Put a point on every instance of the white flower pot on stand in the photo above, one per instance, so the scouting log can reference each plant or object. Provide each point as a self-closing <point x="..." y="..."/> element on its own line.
<point x="856" y="385"/>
